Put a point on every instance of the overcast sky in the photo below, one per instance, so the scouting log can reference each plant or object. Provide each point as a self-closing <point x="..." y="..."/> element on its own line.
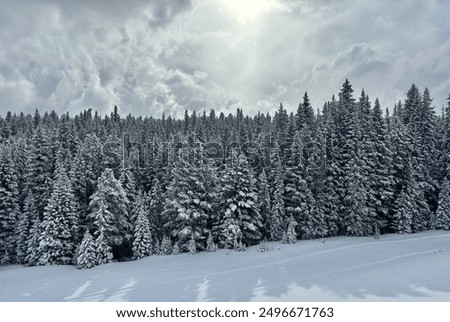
<point x="153" y="56"/>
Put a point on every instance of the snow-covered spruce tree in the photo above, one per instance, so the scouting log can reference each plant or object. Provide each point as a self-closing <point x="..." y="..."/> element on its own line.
<point x="59" y="227"/>
<point x="328" y="199"/>
<point x="108" y="211"/>
<point x="155" y="202"/>
<point x="157" y="247"/>
<point x="188" y="205"/>
<point x="40" y="169"/>
<point x="32" y="252"/>
<point x="381" y="179"/>
<point x="264" y="204"/>
<point x="403" y="213"/>
<point x="104" y="251"/>
<point x="142" y="242"/>
<point x="277" y="218"/>
<point x="238" y="203"/>
<point x="210" y="245"/>
<point x="128" y="183"/>
<point x="9" y="206"/>
<point x="87" y="253"/>
<point x="26" y="218"/>
<point x="238" y="246"/>
<point x="192" y="245"/>
<point x="290" y="236"/>
<point x="444" y="160"/>
<point x="442" y="219"/>
<point x="166" y="246"/>
<point x="304" y="116"/>
<point x="176" y="249"/>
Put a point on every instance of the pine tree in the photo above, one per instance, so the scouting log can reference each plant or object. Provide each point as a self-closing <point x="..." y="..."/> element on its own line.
<point x="238" y="246"/>
<point x="128" y="183"/>
<point x="192" y="245"/>
<point x="26" y="218"/>
<point x="9" y="206"/>
<point x="264" y="205"/>
<point x="238" y="203"/>
<point x="176" y="249"/>
<point x="210" y="245"/>
<point x="59" y="228"/>
<point x="442" y="220"/>
<point x="40" y="170"/>
<point x="290" y="236"/>
<point x="104" y="251"/>
<point x="403" y="213"/>
<point x="305" y="114"/>
<point x="108" y="209"/>
<point x="32" y="253"/>
<point x="166" y="246"/>
<point x="142" y="243"/>
<point x="188" y="205"/>
<point x="156" y="208"/>
<point x="87" y="253"/>
<point x="278" y="214"/>
<point x="157" y="248"/>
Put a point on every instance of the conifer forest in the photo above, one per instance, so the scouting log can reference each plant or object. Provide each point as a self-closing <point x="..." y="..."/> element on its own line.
<point x="89" y="189"/>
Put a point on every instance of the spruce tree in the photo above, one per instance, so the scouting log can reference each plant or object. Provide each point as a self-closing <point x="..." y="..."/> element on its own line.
<point x="87" y="253"/>
<point x="238" y="203"/>
<point x="442" y="219"/>
<point x="59" y="228"/>
<point x="142" y="242"/>
<point x="278" y="214"/>
<point x="192" y="248"/>
<point x="290" y="236"/>
<point x="108" y="211"/>
<point x="210" y="245"/>
<point x="26" y="219"/>
<point x="166" y="246"/>
<point x="9" y="206"/>
<point x="176" y="249"/>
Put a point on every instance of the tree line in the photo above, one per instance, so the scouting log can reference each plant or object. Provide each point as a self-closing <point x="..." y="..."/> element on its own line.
<point x="349" y="169"/>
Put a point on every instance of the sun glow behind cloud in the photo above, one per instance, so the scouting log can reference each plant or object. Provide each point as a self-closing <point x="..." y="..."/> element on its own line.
<point x="250" y="11"/>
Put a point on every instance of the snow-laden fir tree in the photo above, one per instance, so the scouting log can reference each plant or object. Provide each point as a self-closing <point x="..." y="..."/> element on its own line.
<point x="238" y="203"/>
<point x="142" y="242"/>
<point x="87" y="253"/>
<point x="32" y="255"/>
<point x="176" y="249"/>
<point x="210" y="245"/>
<point x="188" y="204"/>
<point x="128" y="183"/>
<point x="26" y="218"/>
<point x="403" y="213"/>
<point x="442" y="219"/>
<point x="264" y="205"/>
<point x="277" y="218"/>
<point x="290" y="236"/>
<point x="59" y="227"/>
<point x="157" y="247"/>
<point x="166" y="246"/>
<point x="108" y="211"/>
<point x="9" y="206"/>
<point x="40" y="169"/>
<point x="104" y="251"/>
<point x="155" y="203"/>
<point x="192" y="248"/>
<point x="238" y="246"/>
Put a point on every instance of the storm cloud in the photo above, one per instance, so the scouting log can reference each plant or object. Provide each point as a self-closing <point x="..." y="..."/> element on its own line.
<point x="150" y="57"/>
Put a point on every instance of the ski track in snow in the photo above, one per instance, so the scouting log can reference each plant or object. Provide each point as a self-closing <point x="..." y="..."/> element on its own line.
<point x="409" y="267"/>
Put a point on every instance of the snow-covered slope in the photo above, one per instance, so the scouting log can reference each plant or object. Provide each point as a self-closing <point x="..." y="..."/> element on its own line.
<point x="395" y="267"/>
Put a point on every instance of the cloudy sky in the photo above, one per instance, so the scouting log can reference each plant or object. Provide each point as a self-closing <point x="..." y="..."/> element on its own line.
<point x="153" y="56"/>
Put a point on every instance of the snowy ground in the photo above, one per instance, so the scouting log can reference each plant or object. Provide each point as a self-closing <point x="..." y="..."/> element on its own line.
<point x="394" y="268"/>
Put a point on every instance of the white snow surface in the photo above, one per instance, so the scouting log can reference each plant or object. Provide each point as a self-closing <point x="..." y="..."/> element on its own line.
<point x="393" y="268"/>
